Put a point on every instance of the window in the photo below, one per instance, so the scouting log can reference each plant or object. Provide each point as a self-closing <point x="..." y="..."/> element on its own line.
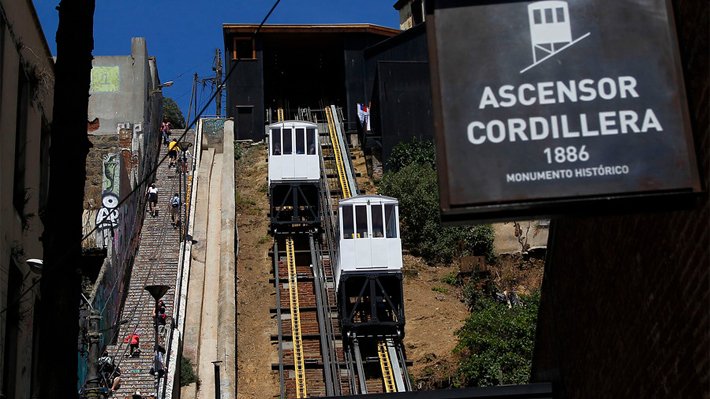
<point x="348" y="228"/>
<point x="276" y="141"/>
<point x="300" y="141"/>
<point x="391" y="220"/>
<point x="560" y="14"/>
<point x="537" y="17"/>
<point x="378" y="228"/>
<point x="361" y="221"/>
<point x="311" y="141"/>
<point x="288" y="141"/>
<point x="548" y="16"/>
<point x="243" y="49"/>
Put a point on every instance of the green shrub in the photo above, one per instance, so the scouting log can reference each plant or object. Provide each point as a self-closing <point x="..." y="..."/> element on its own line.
<point x="187" y="372"/>
<point x="415" y="185"/>
<point x="417" y="151"/>
<point x="450" y="278"/>
<point x="441" y="290"/>
<point x="496" y="343"/>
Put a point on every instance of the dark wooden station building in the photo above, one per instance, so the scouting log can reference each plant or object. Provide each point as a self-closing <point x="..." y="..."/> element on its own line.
<point x="296" y="66"/>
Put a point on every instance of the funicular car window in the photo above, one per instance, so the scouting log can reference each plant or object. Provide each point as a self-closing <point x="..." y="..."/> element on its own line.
<point x="311" y="140"/>
<point x="288" y="141"/>
<point x="391" y="220"/>
<point x="300" y="141"/>
<point x="348" y="227"/>
<point x="276" y="141"/>
<point x="361" y="221"/>
<point x="378" y="229"/>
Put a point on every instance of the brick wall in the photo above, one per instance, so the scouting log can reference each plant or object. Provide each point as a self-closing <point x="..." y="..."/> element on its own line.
<point x="626" y="299"/>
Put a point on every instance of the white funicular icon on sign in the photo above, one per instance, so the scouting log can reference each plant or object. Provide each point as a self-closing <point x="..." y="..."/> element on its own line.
<point x="550" y="30"/>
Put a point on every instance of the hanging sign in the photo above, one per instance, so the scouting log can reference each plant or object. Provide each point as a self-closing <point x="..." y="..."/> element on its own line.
<point x="547" y="107"/>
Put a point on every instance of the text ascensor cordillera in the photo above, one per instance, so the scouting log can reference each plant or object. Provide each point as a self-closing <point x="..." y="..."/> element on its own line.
<point x="605" y="123"/>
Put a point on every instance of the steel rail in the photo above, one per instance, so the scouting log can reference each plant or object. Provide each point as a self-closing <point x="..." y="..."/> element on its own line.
<point x="335" y="145"/>
<point x="296" y="335"/>
<point x="321" y="308"/>
<point x="386" y="366"/>
<point x="344" y="149"/>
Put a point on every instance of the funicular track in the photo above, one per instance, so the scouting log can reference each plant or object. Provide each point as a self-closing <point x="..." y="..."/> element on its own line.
<point x="310" y="358"/>
<point x="313" y="359"/>
<point x="310" y="351"/>
<point x="363" y="354"/>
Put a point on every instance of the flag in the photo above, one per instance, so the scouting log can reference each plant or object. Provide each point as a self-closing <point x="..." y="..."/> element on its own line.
<point x="363" y="114"/>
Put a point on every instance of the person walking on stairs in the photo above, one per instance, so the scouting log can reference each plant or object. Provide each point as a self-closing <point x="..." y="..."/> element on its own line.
<point x="173" y="148"/>
<point x="175" y="210"/>
<point x="152" y="195"/>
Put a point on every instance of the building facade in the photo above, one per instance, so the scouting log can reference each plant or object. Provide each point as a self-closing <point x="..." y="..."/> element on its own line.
<point x="26" y="103"/>
<point x="125" y="111"/>
<point x="295" y="67"/>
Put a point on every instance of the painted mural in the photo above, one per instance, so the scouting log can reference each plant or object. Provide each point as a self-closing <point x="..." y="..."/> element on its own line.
<point x="107" y="218"/>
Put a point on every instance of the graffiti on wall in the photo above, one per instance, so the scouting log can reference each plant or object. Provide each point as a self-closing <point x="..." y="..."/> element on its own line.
<point x="213" y="127"/>
<point x="107" y="218"/>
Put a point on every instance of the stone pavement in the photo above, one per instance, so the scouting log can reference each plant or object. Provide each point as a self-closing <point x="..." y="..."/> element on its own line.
<point x="156" y="263"/>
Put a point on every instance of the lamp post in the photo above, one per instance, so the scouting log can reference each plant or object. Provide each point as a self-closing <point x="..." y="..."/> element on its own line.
<point x="157" y="292"/>
<point x="159" y="88"/>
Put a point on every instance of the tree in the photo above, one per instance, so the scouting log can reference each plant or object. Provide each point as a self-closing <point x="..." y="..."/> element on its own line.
<point x="61" y="277"/>
<point x="172" y="112"/>
<point x="496" y="343"/>
<point x="417" y="151"/>
<point x="413" y="182"/>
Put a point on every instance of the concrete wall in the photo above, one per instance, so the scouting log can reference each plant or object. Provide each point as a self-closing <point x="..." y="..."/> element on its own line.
<point x="25" y="61"/>
<point x="625" y="299"/>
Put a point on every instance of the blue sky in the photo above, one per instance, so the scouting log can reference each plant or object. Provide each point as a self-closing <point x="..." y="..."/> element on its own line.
<point x="183" y="34"/>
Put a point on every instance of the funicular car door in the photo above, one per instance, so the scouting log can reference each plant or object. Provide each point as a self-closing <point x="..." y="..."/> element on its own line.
<point x="288" y="158"/>
<point x="377" y="238"/>
<point x="363" y="243"/>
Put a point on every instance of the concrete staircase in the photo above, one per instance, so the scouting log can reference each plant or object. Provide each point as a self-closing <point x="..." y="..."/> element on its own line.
<point x="156" y="263"/>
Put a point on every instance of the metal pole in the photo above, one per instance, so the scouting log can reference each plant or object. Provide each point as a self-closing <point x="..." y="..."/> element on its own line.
<point x="194" y="93"/>
<point x="156" y="348"/>
<point x="217" y="393"/>
<point x="92" y="378"/>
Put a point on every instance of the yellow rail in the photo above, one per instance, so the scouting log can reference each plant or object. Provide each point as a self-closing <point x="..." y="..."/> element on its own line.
<point x="342" y="178"/>
<point x="386" y="366"/>
<point x="280" y="115"/>
<point x="298" y="361"/>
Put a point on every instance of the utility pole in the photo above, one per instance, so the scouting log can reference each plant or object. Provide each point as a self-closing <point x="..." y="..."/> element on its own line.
<point x="194" y="93"/>
<point x="218" y="81"/>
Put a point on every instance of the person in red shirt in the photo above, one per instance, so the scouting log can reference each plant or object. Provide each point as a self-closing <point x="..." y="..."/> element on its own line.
<point x="133" y="340"/>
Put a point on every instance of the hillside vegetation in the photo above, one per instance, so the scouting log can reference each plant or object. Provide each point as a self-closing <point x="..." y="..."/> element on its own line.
<point x="495" y="343"/>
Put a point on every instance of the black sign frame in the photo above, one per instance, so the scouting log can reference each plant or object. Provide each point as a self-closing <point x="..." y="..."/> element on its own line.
<point x="457" y="211"/>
